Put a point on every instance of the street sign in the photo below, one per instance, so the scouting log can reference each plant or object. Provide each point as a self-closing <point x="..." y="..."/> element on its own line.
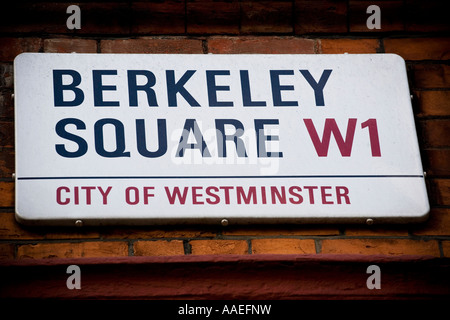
<point x="155" y="139"/>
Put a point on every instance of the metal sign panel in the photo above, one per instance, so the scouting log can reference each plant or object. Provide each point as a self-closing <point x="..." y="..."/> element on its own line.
<point x="151" y="139"/>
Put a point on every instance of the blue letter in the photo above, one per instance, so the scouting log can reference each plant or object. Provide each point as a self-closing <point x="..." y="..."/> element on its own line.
<point x="133" y="87"/>
<point x="246" y="95"/>
<point x="59" y="87"/>
<point x="277" y="88"/>
<point x="178" y="87"/>
<point x="317" y="86"/>
<point x="212" y="88"/>
<point x="120" y="139"/>
<point x="141" y="141"/>
<point x="99" y="87"/>
<point x="61" y="131"/>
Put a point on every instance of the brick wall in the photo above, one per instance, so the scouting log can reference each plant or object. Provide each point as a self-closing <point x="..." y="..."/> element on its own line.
<point x="416" y="30"/>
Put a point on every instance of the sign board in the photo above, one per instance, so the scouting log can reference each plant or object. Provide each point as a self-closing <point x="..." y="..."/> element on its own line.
<point x="154" y="139"/>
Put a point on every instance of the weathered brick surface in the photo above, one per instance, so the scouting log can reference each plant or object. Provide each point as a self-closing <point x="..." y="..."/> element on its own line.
<point x="283" y="246"/>
<point x="440" y="192"/>
<point x="6" y="251"/>
<point x="433" y="103"/>
<point x="435" y="132"/>
<point x="158" y="248"/>
<point x="7" y="194"/>
<point x="430" y="75"/>
<point x="72" y="250"/>
<point x="437" y="225"/>
<point x="321" y="230"/>
<point x="266" y="16"/>
<point x="381" y="246"/>
<point x="437" y="161"/>
<point x="419" y="48"/>
<point x="10" y="229"/>
<point x="219" y="247"/>
<point x="324" y="16"/>
<point x="6" y="162"/>
<point x="349" y="45"/>
<point x="11" y="47"/>
<point x="152" y="45"/>
<point x="212" y="17"/>
<point x="154" y="17"/>
<point x="446" y="248"/>
<point x="68" y="45"/>
<point x="271" y="45"/>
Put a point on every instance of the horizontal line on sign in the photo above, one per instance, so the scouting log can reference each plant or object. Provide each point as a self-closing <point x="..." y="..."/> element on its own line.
<point x="222" y="177"/>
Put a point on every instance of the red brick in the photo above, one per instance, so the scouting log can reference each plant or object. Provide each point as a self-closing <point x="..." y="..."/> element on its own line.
<point x="6" y="105"/>
<point x="219" y="247"/>
<point x="6" y="134"/>
<point x="161" y="232"/>
<point x="11" y="47"/>
<point x="385" y="231"/>
<point x="438" y="224"/>
<point x="446" y="248"/>
<point x="349" y="45"/>
<point x="165" y="17"/>
<point x="392" y="15"/>
<point x="6" y="76"/>
<point x="433" y="103"/>
<point x="152" y="45"/>
<point x="6" y="251"/>
<point x="419" y="48"/>
<point x="431" y="75"/>
<point x="7" y="194"/>
<point x="437" y="161"/>
<point x="323" y="16"/>
<point x="103" y="18"/>
<point x="440" y="192"/>
<point x="272" y="45"/>
<point x="35" y="17"/>
<point x="426" y="16"/>
<point x="158" y="248"/>
<point x="435" y="132"/>
<point x="266" y="16"/>
<point x="68" y="45"/>
<point x="72" y="250"/>
<point x="10" y="229"/>
<point x="6" y="162"/>
<point x="283" y="246"/>
<point x="381" y="246"/>
<point x="212" y="16"/>
<point x="303" y="230"/>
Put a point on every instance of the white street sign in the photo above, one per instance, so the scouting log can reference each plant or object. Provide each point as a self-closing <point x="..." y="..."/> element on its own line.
<point x="154" y="139"/>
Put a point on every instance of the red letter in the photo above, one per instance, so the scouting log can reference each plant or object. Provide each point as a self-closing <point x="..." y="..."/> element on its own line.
<point x="176" y="194"/>
<point x="148" y="195"/>
<point x="241" y="195"/>
<point x="343" y="193"/>
<point x="136" y="195"/>
<point x="311" y="193"/>
<point x="295" y="194"/>
<point x="373" y="135"/>
<point x="227" y="194"/>
<point x="215" y="196"/>
<point x="345" y="147"/>
<point x="58" y="196"/>
<point x="195" y="195"/>
<point x="325" y="195"/>
<point x="105" y="194"/>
